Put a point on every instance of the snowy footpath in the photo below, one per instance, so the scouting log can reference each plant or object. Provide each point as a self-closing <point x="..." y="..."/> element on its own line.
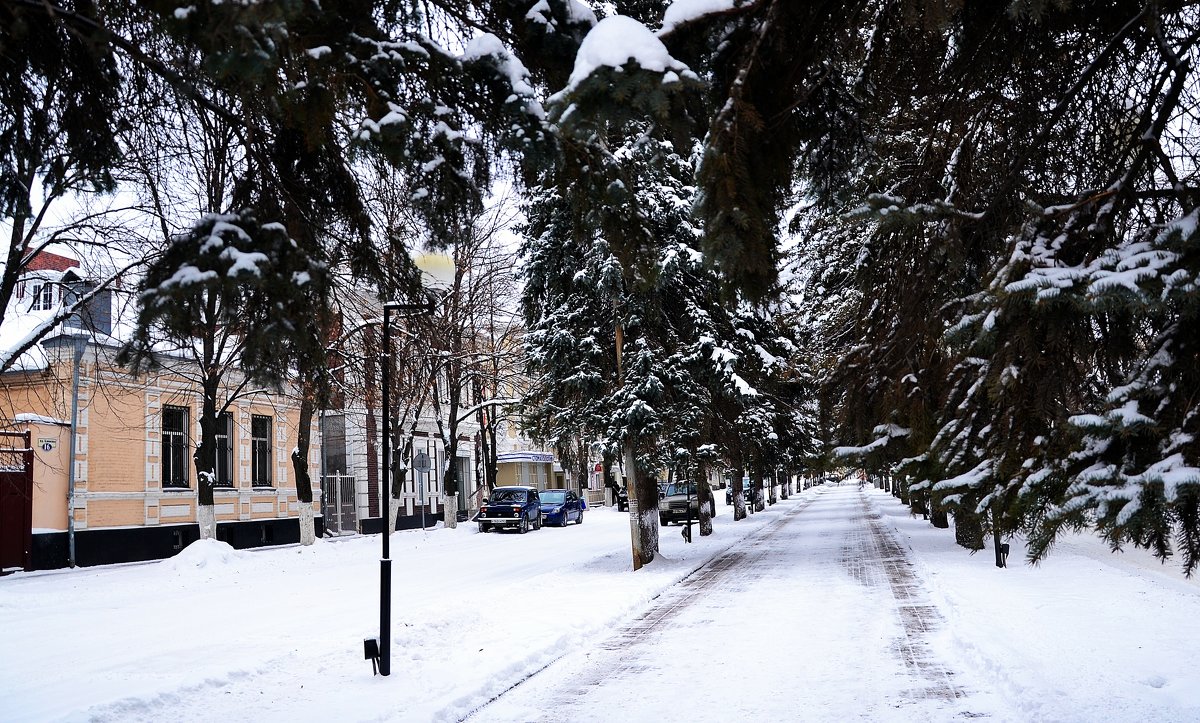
<point x="833" y="605"/>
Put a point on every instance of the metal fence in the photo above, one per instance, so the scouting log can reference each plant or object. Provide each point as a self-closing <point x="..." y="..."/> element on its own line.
<point x="338" y="504"/>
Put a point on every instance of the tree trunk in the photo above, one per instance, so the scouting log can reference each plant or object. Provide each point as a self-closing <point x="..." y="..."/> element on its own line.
<point x="584" y="465"/>
<point x="968" y="529"/>
<point x="756" y="481"/>
<point x="996" y="545"/>
<point x="610" y="480"/>
<point x="938" y="517"/>
<point x="484" y="448"/>
<point x="492" y="465"/>
<point x="739" y="494"/>
<point x="370" y="402"/>
<point x="401" y="451"/>
<point x="304" y="491"/>
<point x="1000" y="548"/>
<point x="643" y="511"/>
<point x="704" y="500"/>
<point x="785" y="488"/>
<point x="399" y="477"/>
<point x="773" y="478"/>
<point x="205" y="460"/>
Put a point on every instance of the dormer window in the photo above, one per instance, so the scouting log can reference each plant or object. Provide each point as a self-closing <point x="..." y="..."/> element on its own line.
<point x="43" y="295"/>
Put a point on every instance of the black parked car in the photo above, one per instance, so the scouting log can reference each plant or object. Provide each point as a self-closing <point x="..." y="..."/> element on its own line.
<point x="516" y="507"/>
<point x="747" y="494"/>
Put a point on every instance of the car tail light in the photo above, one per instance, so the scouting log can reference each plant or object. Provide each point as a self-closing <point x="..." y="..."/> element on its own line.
<point x="516" y="507"/>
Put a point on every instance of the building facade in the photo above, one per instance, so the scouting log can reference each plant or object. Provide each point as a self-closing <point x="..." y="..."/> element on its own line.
<point x="129" y="491"/>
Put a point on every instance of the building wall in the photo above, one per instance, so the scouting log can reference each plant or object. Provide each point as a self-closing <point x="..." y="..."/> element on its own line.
<point x="49" y="474"/>
<point x="119" y="453"/>
<point x="532" y="474"/>
<point x="415" y="488"/>
<point x="28" y="393"/>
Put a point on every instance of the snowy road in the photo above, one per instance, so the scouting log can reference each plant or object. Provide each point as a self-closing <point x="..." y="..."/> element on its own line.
<point x="833" y="605"/>
<point x="816" y="616"/>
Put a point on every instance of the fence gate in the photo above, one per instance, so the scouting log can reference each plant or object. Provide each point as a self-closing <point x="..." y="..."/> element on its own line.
<point x="16" y="501"/>
<point x="338" y="505"/>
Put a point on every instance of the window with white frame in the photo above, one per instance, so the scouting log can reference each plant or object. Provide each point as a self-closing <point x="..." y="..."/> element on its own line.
<point x="43" y="295"/>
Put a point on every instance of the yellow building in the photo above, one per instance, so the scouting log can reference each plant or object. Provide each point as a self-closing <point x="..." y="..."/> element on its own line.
<point x="134" y="493"/>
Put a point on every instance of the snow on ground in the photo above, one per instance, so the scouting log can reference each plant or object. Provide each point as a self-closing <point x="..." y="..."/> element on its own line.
<point x="798" y="622"/>
<point x="219" y="634"/>
<point x="1087" y="635"/>
<point x="277" y="632"/>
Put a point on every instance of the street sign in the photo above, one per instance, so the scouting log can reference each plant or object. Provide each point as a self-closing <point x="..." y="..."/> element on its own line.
<point x="421" y="462"/>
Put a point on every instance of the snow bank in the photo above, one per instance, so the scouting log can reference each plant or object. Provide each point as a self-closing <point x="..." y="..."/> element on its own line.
<point x="202" y="554"/>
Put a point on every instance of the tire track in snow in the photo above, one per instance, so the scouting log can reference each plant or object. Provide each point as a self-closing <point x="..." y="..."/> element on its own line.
<point x="875" y="558"/>
<point x="733" y="565"/>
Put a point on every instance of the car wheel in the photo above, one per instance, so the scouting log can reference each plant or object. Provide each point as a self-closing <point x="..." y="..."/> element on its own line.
<point x="537" y="522"/>
<point x="523" y="525"/>
<point x="579" y="520"/>
<point x="484" y="527"/>
<point x="662" y="521"/>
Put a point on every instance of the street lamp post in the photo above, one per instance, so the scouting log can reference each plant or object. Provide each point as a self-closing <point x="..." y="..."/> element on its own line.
<point x="383" y="650"/>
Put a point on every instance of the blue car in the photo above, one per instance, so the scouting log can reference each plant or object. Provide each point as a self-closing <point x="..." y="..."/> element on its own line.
<point x="516" y="507"/>
<point x="561" y="506"/>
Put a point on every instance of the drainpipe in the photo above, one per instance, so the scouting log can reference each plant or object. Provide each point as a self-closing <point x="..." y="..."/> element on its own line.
<point x="79" y="342"/>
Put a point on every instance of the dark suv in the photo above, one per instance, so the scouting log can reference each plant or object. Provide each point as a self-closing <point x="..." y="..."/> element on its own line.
<point x="516" y="507"/>
<point x="679" y="503"/>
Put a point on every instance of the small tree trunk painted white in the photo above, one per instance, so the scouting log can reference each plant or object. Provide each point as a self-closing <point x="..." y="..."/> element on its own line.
<point x="308" y="528"/>
<point x="450" y="511"/>
<point x="393" y="511"/>
<point x="206" y="516"/>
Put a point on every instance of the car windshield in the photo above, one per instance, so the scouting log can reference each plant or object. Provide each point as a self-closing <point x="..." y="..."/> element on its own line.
<point x="554" y="497"/>
<point x="681" y="489"/>
<point x="511" y="496"/>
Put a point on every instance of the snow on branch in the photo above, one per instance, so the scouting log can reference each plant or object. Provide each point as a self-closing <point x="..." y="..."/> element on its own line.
<point x="888" y="432"/>
<point x="618" y="40"/>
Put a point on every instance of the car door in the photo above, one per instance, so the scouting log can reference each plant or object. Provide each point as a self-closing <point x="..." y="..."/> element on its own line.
<point x="572" y="508"/>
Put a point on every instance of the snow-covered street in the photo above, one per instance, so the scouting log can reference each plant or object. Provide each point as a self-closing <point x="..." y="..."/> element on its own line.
<point x="817" y="616"/>
<point x="833" y="605"/>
